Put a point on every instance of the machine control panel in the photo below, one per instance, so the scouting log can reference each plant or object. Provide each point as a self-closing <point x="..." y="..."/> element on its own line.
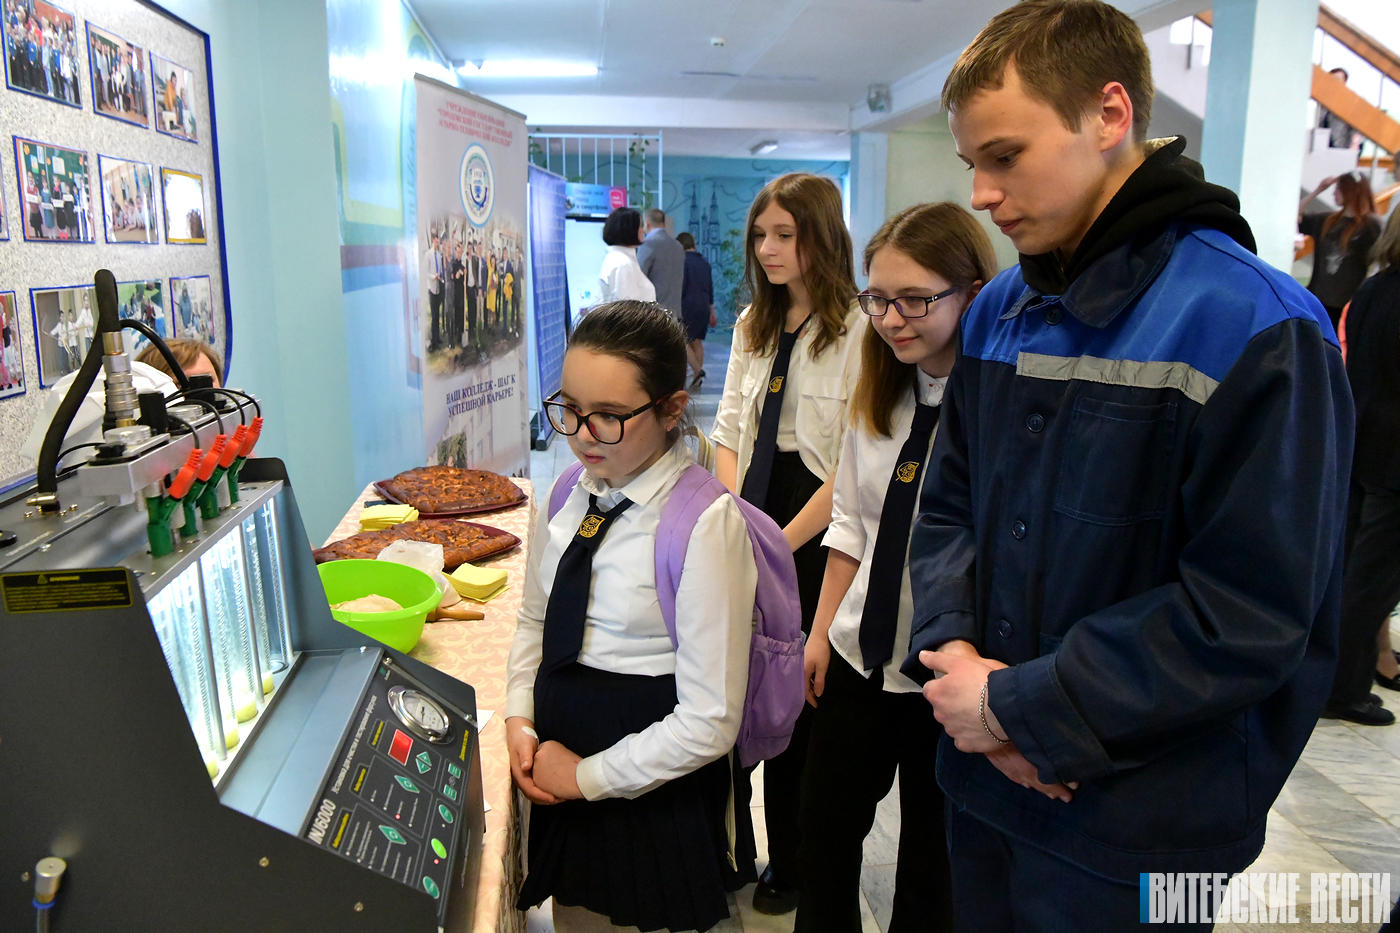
<point x="395" y="796"/>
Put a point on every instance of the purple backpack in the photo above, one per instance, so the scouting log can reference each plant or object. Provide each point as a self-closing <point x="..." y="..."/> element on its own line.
<point x="775" y="695"/>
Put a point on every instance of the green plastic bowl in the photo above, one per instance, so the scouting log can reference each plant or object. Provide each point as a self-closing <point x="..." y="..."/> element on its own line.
<point x="411" y="588"/>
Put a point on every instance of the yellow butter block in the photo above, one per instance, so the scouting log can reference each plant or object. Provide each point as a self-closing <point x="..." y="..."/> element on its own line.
<point x="487" y="597"/>
<point x="479" y="583"/>
<point x="376" y="517"/>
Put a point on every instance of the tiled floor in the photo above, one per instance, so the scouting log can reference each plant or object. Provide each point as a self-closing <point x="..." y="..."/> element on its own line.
<point x="1340" y="810"/>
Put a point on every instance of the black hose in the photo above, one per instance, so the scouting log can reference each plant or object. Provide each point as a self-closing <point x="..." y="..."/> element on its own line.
<point x="107" y="322"/>
<point x="207" y="404"/>
<point x="180" y="378"/>
<point x="188" y="396"/>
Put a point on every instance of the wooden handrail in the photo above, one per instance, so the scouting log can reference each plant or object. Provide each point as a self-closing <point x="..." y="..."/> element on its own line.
<point x="1368" y="48"/>
<point x="1371" y="122"/>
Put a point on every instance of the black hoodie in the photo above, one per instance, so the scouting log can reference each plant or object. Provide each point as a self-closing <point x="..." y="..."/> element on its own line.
<point x="1166" y="188"/>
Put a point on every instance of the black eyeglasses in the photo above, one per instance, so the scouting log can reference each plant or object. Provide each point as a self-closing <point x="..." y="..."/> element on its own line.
<point x="605" y="426"/>
<point x="907" y="306"/>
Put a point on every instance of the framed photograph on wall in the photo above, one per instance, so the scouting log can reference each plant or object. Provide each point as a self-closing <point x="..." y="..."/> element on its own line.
<point x="192" y="301"/>
<point x="11" y="348"/>
<point x="183" y="194"/>
<point x="42" y="50"/>
<point x="120" y="88"/>
<point x="63" y="323"/>
<point x="144" y="301"/>
<point x="174" y="99"/>
<point x="55" y="189"/>
<point x="128" y="200"/>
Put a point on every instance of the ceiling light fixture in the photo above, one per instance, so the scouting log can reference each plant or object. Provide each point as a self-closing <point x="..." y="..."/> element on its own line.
<point x="763" y="148"/>
<point x="520" y="68"/>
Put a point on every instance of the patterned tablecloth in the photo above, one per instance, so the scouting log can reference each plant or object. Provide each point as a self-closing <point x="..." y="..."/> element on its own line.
<point x="476" y="653"/>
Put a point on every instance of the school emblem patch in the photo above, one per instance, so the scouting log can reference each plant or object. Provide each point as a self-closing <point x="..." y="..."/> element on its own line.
<point x="478" y="184"/>
<point x="590" y="525"/>
<point x="906" y="471"/>
<point x="776" y="385"/>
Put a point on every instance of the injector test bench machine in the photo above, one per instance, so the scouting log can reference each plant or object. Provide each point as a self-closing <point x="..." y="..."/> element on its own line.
<point x="194" y="736"/>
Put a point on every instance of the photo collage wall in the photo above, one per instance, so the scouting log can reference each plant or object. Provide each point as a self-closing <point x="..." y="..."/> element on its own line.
<point x="106" y="161"/>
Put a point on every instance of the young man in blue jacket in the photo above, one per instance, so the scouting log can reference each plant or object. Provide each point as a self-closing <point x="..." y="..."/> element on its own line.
<point x="1128" y="560"/>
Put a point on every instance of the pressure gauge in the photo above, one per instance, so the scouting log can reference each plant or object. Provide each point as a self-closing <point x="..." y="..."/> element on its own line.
<point x="423" y="715"/>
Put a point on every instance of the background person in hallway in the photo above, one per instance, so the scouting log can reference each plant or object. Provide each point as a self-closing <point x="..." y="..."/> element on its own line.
<point x="1342" y="240"/>
<point x="1129" y="546"/>
<point x="663" y="261"/>
<point x="697" y="307"/>
<point x="1340" y="133"/>
<point x="1372" y="584"/>
<point x="621" y="277"/>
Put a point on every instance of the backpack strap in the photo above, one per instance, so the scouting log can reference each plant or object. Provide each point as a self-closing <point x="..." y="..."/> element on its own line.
<point x="563" y="486"/>
<point x="694" y="492"/>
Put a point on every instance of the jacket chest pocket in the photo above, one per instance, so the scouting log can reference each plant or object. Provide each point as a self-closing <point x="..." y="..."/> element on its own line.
<point x="1116" y="462"/>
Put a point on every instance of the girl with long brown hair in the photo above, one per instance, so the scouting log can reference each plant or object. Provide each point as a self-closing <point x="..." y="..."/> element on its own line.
<point x="1342" y="240"/>
<point x="777" y="435"/>
<point x="926" y="264"/>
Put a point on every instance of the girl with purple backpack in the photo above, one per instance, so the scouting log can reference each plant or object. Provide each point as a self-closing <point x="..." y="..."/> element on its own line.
<point x="620" y="713"/>
<point x="926" y="264"/>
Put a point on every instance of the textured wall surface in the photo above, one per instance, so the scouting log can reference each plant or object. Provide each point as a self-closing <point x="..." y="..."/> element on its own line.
<point x="26" y="265"/>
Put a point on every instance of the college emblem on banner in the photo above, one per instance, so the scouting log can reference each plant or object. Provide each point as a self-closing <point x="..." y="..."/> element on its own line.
<point x="478" y="185"/>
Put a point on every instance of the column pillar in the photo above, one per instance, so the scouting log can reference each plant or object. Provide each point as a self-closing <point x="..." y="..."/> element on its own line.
<point x="1256" y="104"/>
<point x="869" y="169"/>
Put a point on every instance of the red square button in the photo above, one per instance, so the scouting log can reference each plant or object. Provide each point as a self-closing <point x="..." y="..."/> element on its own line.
<point x="402" y="745"/>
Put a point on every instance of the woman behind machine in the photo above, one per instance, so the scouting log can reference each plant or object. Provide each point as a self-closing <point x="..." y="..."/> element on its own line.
<point x="777" y="435"/>
<point x="618" y="737"/>
<point x="926" y="264"/>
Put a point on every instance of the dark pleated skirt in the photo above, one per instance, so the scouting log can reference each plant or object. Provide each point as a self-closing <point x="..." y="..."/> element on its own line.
<point x="654" y="862"/>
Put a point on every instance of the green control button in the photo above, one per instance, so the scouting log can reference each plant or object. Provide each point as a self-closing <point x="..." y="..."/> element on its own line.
<point x="450" y="792"/>
<point x="407" y="785"/>
<point x="424" y="762"/>
<point x="439" y="848"/>
<point x="453" y="770"/>
<point x="430" y="886"/>
<point x="392" y="834"/>
<point x="446" y="813"/>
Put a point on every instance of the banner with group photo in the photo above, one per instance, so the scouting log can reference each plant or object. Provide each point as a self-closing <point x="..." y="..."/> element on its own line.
<point x="470" y="276"/>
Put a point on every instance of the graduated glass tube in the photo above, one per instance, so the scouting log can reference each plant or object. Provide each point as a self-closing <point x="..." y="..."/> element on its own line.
<point x="178" y="615"/>
<point x="235" y="659"/>
<point x="265" y="593"/>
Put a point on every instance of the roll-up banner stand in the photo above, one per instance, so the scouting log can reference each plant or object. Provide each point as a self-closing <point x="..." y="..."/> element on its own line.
<point x="470" y="255"/>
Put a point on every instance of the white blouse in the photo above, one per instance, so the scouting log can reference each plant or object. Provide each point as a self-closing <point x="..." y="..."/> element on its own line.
<point x="858" y="495"/>
<point x="814" y="404"/>
<point x="625" y="633"/>
<point x="622" y="277"/>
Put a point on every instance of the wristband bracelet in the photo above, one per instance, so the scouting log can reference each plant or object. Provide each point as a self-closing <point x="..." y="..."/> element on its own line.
<point x="982" y="714"/>
<point x="536" y="736"/>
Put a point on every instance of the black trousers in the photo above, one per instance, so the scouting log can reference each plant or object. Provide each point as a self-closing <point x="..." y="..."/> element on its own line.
<point x="791" y="486"/>
<point x="1370" y="589"/>
<point x="1001" y="884"/>
<point x="861" y="735"/>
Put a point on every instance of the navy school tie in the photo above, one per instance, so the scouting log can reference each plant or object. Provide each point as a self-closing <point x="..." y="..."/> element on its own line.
<point x="567" y="609"/>
<point x="881" y="614"/>
<point x="765" y="445"/>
